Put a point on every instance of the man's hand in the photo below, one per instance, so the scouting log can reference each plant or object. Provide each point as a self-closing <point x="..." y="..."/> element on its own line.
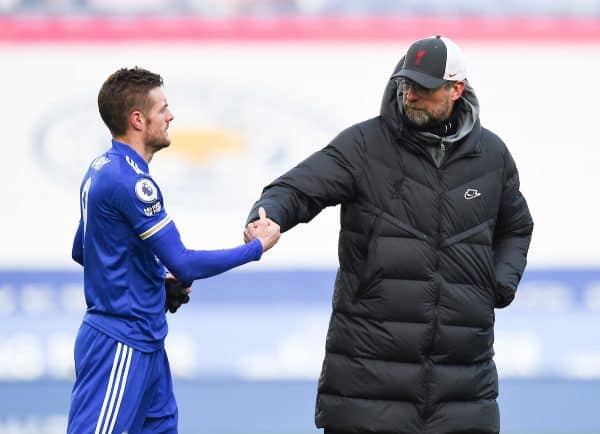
<point x="177" y="293"/>
<point x="266" y="230"/>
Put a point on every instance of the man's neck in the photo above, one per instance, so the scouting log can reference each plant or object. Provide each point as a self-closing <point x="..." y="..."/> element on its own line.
<point x="137" y="145"/>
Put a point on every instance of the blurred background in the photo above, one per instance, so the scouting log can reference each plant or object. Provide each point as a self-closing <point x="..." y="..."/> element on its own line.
<point x="256" y="86"/>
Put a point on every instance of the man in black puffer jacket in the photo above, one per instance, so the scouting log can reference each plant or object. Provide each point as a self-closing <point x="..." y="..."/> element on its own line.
<point x="434" y="236"/>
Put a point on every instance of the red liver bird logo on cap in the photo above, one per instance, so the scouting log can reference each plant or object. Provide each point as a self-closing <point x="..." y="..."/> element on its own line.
<point x="419" y="56"/>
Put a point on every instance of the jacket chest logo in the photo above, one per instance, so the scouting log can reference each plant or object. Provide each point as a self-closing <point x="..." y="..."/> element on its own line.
<point x="472" y="193"/>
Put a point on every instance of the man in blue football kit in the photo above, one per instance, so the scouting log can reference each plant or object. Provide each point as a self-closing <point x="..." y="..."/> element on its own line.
<point x="126" y="241"/>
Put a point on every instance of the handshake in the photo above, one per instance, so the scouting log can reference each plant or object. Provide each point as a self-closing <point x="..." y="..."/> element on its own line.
<point x="265" y="229"/>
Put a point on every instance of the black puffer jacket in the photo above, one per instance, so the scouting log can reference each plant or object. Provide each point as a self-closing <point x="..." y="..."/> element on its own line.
<point x="425" y="254"/>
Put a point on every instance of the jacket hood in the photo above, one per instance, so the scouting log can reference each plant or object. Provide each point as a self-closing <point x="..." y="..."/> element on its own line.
<point x="391" y="111"/>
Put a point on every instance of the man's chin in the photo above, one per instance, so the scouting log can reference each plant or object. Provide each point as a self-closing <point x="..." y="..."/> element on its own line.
<point x="417" y="117"/>
<point x="161" y="145"/>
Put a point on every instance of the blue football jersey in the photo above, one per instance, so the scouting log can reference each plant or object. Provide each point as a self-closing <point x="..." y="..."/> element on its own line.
<point x="121" y="208"/>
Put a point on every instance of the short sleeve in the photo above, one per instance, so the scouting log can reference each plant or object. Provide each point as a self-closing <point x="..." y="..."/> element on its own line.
<point x="141" y="202"/>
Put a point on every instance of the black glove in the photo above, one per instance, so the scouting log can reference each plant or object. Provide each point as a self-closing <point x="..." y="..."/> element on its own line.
<point x="176" y="294"/>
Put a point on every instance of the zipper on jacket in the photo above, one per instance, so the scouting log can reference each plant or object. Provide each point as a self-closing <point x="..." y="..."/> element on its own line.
<point x="440" y="158"/>
<point x="437" y="283"/>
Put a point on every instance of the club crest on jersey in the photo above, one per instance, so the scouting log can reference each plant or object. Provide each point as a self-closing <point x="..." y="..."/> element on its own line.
<point x="146" y="191"/>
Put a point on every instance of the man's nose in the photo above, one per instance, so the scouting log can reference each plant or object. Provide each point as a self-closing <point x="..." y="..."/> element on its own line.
<point x="410" y="94"/>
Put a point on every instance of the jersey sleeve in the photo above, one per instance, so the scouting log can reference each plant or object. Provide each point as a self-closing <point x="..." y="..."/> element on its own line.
<point x="141" y="202"/>
<point x="77" y="250"/>
<point x="188" y="265"/>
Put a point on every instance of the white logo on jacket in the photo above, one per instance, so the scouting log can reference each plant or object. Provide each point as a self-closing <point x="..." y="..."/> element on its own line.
<point x="472" y="193"/>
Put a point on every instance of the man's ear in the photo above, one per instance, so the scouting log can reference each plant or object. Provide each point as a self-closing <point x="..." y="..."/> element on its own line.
<point x="136" y="120"/>
<point x="458" y="88"/>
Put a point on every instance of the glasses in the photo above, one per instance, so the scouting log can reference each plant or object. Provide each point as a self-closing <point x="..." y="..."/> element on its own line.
<point x="406" y="85"/>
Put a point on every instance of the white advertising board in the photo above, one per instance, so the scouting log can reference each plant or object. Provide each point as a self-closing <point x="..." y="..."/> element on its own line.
<point x="245" y="112"/>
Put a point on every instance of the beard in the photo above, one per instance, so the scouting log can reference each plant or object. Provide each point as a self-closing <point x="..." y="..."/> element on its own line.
<point x="424" y="117"/>
<point x="155" y="142"/>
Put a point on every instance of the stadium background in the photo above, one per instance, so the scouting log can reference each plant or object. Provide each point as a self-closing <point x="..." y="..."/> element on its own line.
<point x="256" y="86"/>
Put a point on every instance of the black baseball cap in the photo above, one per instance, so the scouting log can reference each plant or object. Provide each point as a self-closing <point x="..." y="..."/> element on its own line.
<point x="433" y="61"/>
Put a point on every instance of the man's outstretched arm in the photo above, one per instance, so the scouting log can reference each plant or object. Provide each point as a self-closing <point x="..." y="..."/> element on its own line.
<point x="326" y="178"/>
<point x="188" y="265"/>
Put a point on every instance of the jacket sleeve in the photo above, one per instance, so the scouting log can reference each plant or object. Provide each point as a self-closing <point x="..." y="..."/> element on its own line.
<point x="326" y="178"/>
<point x="512" y="236"/>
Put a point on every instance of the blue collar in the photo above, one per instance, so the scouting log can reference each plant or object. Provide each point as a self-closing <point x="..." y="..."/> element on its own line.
<point x="131" y="155"/>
